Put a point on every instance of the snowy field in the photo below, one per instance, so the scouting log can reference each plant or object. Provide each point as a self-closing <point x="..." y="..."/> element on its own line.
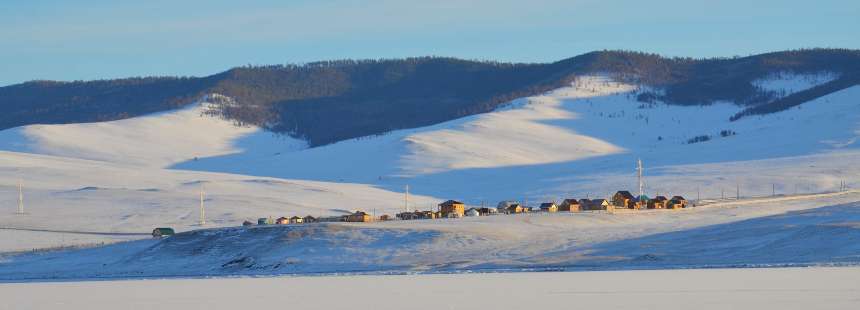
<point x="759" y="289"/>
<point x="824" y="230"/>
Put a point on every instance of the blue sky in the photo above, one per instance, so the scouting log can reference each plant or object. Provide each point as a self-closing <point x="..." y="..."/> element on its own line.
<point x="96" y="39"/>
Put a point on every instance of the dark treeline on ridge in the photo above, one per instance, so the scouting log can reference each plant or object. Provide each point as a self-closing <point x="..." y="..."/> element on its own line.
<point x="326" y="102"/>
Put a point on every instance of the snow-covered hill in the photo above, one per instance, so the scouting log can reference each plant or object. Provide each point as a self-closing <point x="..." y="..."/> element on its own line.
<point x="582" y="140"/>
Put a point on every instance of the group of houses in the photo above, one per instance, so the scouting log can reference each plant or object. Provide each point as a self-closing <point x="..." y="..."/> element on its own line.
<point x="456" y="209"/>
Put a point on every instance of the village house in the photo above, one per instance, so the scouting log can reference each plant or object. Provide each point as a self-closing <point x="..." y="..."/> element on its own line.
<point x="385" y="217"/>
<point x="514" y="209"/>
<point x="452" y="207"/>
<point x="487" y="211"/>
<point x="623" y="200"/>
<point x="358" y="216"/>
<point x="641" y="202"/>
<point x="473" y="212"/>
<point x="658" y="202"/>
<point x="406" y="216"/>
<point x="598" y="205"/>
<point x="677" y="202"/>
<point x="282" y="220"/>
<point x="549" y="207"/>
<point x="570" y="205"/>
<point x="502" y="207"/>
<point x="247" y="223"/>
<point x="296" y="220"/>
<point x="309" y="219"/>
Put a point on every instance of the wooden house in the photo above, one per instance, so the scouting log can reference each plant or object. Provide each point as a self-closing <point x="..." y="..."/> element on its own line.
<point x="570" y="205"/>
<point x="641" y="202"/>
<point x="452" y="208"/>
<point x="297" y="220"/>
<point x="658" y="202"/>
<point x="677" y="202"/>
<point x="247" y="223"/>
<point x="282" y="220"/>
<point x="309" y="219"/>
<point x="600" y="205"/>
<point x="358" y="217"/>
<point x="487" y="211"/>
<point x="502" y="207"/>
<point x="623" y="200"/>
<point x="549" y="207"/>
<point x="385" y="217"/>
<point x="406" y="216"/>
<point x="161" y="232"/>
<point x="262" y="221"/>
<point x="514" y="209"/>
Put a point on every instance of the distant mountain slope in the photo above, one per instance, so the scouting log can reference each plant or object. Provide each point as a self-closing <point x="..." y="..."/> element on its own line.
<point x="328" y="102"/>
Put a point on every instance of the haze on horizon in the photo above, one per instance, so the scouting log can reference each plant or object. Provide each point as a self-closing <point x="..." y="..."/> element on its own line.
<point x="98" y="39"/>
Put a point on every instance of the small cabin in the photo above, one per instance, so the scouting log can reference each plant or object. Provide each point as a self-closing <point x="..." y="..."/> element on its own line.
<point x="262" y="221"/>
<point x="659" y="202"/>
<point x="623" y="200"/>
<point x="473" y="212"/>
<point x="549" y="207"/>
<point x="161" y="232"/>
<point x="358" y="217"/>
<point x="282" y="220"/>
<point x="487" y="211"/>
<point x="297" y="220"/>
<point x="570" y="205"/>
<point x="309" y="219"/>
<point x="247" y="223"/>
<point x="408" y="215"/>
<point x="641" y="202"/>
<point x="385" y="217"/>
<point x="600" y="205"/>
<point x="503" y="206"/>
<point x="677" y="202"/>
<point x="514" y="209"/>
<point x="452" y="206"/>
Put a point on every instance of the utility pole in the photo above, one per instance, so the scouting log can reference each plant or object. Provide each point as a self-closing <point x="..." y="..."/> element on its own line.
<point x="639" y="173"/>
<point x="20" y="198"/>
<point x="722" y="193"/>
<point x="698" y="194"/>
<point x="773" y="189"/>
<point x="738" y="192"/>
<point x="406" y="199"/>
<point x="202" y="210"/>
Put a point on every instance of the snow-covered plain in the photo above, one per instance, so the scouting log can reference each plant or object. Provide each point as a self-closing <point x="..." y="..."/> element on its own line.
<point x="760" y="289"/>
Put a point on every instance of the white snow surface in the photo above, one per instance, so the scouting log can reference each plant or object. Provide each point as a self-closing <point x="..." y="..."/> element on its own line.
<point x="158" y="140"/>
<point x="759" y="289"/>
<point x="786" y="83"/>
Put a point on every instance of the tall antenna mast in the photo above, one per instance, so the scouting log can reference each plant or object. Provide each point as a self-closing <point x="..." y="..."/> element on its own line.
<point x="202" y="210"/>
<point x="639" y="173"/>
<point x="20" y="198"/>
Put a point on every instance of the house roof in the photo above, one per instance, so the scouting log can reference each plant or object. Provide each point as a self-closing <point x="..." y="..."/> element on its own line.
<point x="625" y="194"/>
<point x="643" y="198"/>
<point x="660" y="198"/>
<point x="547" y="205"/>
<point x="571" y="201"/>
<point x="283" y="218"/>
<point x="295" y="218"/>
<point x="678" y="198"/>
<point x="451" y="202"/>
<point x="599" y="201"/>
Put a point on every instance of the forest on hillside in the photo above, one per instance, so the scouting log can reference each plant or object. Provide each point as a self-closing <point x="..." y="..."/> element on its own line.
<point x="326" y="102"/>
